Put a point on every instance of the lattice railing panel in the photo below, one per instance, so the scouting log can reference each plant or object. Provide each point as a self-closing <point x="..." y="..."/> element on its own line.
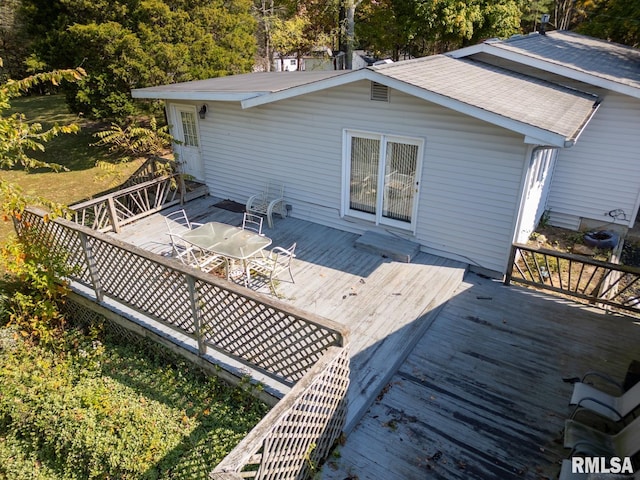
<point x="296" y="436"/>
<point x="145" y="285"/>
<point x="577" y="276"/>
<point x="270" y="338"/>
<point x="60" y="241"/>
<point x="259" y="332"/>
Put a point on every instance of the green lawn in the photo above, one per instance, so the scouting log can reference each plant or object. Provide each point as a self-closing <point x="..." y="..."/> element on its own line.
<point x="85" y="179"/>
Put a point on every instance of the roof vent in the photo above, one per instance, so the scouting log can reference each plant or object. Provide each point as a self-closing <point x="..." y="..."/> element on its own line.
<point x="379" y="92"/>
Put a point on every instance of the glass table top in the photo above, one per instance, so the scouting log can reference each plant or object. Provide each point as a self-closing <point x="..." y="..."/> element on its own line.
<point x="227" y="240"/>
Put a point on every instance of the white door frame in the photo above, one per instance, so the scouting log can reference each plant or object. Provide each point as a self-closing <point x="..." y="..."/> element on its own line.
<point x="378" y="218"/>
<point x="188" y="149"/>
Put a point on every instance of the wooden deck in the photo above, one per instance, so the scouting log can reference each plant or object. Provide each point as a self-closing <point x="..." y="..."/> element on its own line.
<point x="387" y="305"/>
<point x="482" y="394"/>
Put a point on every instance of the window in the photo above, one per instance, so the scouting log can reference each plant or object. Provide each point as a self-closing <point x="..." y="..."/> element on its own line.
<point x="189" y="129"/>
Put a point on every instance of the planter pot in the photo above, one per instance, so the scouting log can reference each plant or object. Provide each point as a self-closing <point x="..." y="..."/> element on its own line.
<point x="604" y="239"/>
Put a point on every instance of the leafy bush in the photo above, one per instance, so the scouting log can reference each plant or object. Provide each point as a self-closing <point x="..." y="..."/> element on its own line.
<point x="108" y="410"/>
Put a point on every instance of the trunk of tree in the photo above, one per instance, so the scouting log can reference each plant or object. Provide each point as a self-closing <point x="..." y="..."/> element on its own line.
<point x="350" y="40"/>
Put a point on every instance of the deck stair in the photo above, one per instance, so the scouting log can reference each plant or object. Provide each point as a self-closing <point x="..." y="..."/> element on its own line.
<point x="395" y="248"/>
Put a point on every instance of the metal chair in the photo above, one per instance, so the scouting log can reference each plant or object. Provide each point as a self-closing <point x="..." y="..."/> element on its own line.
<point x="178" y="222"/>
<point x="271" y="264"/>
<point x="613" y="407"/>
<point x="268" y="202"/>
<point x="252" y="222"/>
<point x="193" y="256"/>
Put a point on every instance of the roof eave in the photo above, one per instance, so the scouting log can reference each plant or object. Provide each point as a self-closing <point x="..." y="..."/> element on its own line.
<point x="197" y="96"/>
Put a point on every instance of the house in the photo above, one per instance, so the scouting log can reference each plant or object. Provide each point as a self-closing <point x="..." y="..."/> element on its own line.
<point x="459" y="153"/>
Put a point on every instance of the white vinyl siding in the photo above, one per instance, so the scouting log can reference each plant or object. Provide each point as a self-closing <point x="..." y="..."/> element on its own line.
<point x="471" y="175"/>
<point x="600" y="173"/>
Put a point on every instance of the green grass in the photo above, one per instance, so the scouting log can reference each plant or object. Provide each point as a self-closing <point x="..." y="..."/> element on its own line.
<point x="84" y="179"/>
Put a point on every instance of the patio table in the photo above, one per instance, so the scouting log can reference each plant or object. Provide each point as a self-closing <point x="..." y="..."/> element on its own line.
<point x="228" y="241"/>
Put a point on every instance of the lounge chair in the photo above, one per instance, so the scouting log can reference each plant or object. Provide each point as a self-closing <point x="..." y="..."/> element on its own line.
<point x="616" y="408"/>
<point x="585" y="440"/>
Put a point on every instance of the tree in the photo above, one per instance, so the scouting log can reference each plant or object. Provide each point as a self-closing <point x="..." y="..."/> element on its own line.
<point x="17" y="136"/>
<point x="417" y="28"/>
<point x="127" y="44"/>
<point x="615" y="20"/>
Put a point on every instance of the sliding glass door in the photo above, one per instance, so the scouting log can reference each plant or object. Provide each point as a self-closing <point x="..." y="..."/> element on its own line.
<point x="382" y="173"/>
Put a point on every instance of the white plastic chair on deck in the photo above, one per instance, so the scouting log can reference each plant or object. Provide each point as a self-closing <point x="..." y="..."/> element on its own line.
<point x="268" y="202"/>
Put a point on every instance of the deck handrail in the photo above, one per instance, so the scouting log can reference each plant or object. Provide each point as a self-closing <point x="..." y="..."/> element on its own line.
<point x="262" y="333"/>
<point x="591" y="280"/>
<point x="113" y="210"/>
<point x="297" y="434"/>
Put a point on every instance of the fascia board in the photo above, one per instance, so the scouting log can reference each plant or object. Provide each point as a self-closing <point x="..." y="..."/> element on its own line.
<point x="193" y="95"/>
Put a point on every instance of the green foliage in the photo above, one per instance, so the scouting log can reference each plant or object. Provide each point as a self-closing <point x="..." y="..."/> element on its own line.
<point x="615" y="20"/>
<point x="34" y="273"/>
<point x="17" y="136"/>
<point x="419" y="28"/>
<point x="135" y="140"/>
<point x="104" y="409"/>
<point x="125" y="45"/>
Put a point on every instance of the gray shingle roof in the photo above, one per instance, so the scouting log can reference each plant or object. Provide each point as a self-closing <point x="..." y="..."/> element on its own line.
<point x="245" y="85"/>
<point x="606" y="60"/>
<point x="511" y="95"/>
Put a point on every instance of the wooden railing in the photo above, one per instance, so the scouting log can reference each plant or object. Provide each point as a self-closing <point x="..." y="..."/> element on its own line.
<point x="112" y="211"/>
<point x="262" y="333"/>
<point x="580" y="277"/>
<point x="296" y="435"/>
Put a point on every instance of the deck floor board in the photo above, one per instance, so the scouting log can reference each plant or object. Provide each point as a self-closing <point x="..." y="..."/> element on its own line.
<point x="482" y="394"/>
<point x="386" y="304"/>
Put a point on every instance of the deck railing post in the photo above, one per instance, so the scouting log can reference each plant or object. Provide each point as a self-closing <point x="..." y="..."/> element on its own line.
<point x="512" y="259"/>
<point x="113" y="214"/>
<point x="91" y="264"/>
<point x="197" y="317"/>
<point x="183" y="188"/>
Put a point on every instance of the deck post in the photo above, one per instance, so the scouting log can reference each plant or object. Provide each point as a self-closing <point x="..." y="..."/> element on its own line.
<point x="512" y="259"/>
<point x="195" y="311"/>
<point x="113" y="214"/>
<point x="183" y="188"/>
<point x="91" y="263"/>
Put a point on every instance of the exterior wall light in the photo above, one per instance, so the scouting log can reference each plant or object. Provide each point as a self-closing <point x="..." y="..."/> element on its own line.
<point x="203" y="111"/>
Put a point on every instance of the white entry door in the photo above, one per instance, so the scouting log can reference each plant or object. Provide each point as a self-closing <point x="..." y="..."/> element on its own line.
<point x="381" y="178"/>
<point x="188" y="149"/>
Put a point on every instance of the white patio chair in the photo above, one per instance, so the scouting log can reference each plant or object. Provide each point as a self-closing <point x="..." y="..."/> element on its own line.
<point x="178" y="222"/>
<point x="272" y="263"/>
<point x="193" y="256"/>
<point x="613" y="407"/>
<point x="268" y="202"/>
<point x="252" y="222"/>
